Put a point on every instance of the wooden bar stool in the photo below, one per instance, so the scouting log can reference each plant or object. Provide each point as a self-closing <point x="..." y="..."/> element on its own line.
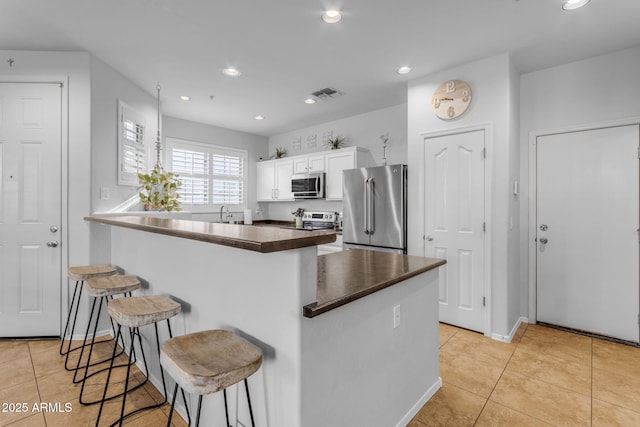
<point x="209" y="361"/>
<point x="102" y="289"/>
<point x="133" y="313"/>
<point x="79" y="274"/>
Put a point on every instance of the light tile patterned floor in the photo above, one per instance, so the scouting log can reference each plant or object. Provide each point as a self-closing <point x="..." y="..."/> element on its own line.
<point x="544" y="377"/>
<point x="32" y="372"/>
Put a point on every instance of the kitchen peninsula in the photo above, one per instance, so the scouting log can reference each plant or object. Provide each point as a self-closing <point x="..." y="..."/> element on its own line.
<point x="348" y="338"/>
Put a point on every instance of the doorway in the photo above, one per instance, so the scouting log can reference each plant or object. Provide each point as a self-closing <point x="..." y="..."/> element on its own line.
<point x="30" y="209"/>
<point x="586" y="231"/>
<point x="454" y="194"/>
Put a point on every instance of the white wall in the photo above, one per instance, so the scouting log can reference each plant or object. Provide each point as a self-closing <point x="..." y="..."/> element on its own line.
<point x="108" y="86"/>
<point x="362" y="130"/>
<point x="596" y="90"/>
<point x="492" y="84"/>
<point x="256" y="146"/>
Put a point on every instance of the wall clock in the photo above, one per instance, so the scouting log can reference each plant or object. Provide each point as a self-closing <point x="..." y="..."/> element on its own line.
<point x="451" y="99"/>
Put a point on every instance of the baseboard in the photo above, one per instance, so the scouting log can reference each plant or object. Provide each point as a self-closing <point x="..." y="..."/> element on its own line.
<point x="80" y="336"/>
<point x="508" y="338"/>
<point x="420" y="403"/>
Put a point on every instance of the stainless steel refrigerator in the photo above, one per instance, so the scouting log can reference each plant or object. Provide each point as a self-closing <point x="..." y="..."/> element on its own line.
<point x="375" y="208"/>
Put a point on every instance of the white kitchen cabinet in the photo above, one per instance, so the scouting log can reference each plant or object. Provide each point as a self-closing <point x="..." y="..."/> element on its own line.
<point x="274" y="180"/>
<point x="308" y="164"/>
<point x="339" y="160"/>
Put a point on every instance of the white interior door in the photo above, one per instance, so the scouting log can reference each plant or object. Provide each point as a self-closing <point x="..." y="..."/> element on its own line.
<point x="30" y="205"/>
<point x="454" y="207"/>
<point x="587" y="238"/>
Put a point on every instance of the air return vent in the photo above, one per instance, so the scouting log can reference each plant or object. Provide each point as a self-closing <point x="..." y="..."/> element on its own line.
<point x="327" y="93"/>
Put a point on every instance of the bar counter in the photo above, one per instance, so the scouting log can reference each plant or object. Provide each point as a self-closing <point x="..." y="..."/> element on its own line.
<point x="322" y="365"/>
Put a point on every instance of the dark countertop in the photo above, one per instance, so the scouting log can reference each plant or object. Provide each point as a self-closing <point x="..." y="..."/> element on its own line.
<point x="249" y="237"/>
<point x="346" y="276"/>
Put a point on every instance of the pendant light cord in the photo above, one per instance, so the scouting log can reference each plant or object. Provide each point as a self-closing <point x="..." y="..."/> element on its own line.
<point x="158" y="143"/>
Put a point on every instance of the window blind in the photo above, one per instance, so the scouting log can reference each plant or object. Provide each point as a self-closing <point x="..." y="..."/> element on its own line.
<point x="131" y="147"/>
<point x="211" y="176"/>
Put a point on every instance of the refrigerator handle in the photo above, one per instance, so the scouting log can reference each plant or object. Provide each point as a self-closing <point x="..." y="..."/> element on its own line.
<point x="366" y="205"/>
<point x="372" y="219"/>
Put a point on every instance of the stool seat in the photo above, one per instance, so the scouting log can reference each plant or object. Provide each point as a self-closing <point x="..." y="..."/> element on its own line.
<point x="84" y="272"/>
<point x="111" y="285"/>
<point x="208" y="361"/>
<point x="144" y="310"/>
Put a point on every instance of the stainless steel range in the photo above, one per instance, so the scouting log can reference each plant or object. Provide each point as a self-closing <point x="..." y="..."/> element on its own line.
<point x="318" y="220"/>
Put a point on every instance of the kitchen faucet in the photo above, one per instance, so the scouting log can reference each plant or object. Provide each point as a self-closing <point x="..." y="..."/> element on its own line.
<point x="222" y="207"/>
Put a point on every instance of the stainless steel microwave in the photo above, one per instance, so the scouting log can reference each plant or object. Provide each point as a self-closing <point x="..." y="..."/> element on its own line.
<point x="308" y="186"/>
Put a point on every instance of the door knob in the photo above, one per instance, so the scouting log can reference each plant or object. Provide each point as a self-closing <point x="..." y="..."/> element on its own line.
<point x="52" y="244"/>
<point x="544" y="227"/>
<point x="53" y="229"/>
<point x="544" y="240"/>
<point x="429" y="238"/>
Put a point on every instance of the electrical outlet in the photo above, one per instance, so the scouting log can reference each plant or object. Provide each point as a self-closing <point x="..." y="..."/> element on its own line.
<point x="104" y="193"/>
<point x="396" y="316"/>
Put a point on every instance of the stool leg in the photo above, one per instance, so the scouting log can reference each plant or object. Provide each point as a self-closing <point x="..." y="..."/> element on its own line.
<point x="173" y="404"/>
<point x="246" y="388"/>
<point x="106" y="386"/>
<point x="184" y="397"/>
<point x="84" y="343"/>
<point x="126" y="381"/>
<point x="199" y="408"/>
<point x="66" y="326"/>
<point x="226" y="410"/>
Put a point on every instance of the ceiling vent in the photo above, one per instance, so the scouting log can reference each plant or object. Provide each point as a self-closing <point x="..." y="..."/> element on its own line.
<point x="327" y="93"/>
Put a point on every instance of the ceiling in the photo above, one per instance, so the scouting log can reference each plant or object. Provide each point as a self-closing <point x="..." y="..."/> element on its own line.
<point x="285" y="51"/>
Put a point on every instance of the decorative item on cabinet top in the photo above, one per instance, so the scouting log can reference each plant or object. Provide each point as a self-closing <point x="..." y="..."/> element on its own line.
<point x="335" y="142"/>
<point x="280" y="153"/>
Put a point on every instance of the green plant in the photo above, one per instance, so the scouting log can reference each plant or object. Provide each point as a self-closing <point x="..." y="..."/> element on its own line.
<point x="335" y="142"/>
<point x="280" y="153"/>
<point x="159" y="190"/>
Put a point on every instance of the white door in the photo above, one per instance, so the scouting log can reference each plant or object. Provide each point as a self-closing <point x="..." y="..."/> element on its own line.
<point x="30" y="204"/>
<point x="587" y="238"/>
<point x="454" y="224"/>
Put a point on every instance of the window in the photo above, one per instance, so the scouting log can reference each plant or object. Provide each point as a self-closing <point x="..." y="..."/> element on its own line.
<point x="212" y="176"/>
<point x="131" y="147"/>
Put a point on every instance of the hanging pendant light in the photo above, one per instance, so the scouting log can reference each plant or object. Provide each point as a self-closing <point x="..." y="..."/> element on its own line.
<point x="158" y="142"/>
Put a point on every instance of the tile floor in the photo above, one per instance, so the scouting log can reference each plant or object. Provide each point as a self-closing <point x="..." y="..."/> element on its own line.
<point x="544" y="377"/>
<point x="33" y="372"/>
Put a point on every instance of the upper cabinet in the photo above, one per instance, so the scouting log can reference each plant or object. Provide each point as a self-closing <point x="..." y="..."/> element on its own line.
<point x="308" y="164"/>
<point x="274" y="176"/>
<point x="338" y="160"/>
<point x="274" y="180"/>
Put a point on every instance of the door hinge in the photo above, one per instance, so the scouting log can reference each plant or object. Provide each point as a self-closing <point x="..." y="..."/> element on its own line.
<point x="484" y="153"/>
<point x="484" y="227"/>
<point x="484" y="301"/>
<point x="638" y="319"/>
<point x="639" y="152"/>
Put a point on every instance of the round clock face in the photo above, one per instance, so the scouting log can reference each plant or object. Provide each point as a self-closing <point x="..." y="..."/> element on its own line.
<point x="451" y="99"/>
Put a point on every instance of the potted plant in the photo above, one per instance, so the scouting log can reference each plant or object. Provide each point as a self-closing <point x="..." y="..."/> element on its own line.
<point x="159" y="190"/>
<point x="297" y="216"/>
<point x="280" y="153"/>
<point x="335" y="142"/>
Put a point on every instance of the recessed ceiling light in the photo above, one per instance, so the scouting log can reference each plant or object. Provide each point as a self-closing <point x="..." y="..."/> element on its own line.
<point x="231" y="72"/>
<point x="185" y="97"/>
<point x="331" y="16"/>
<point x="309" y="101"/>
<point x="404" y="70"/>
<point x="574" y="4"/>
<point x="259" y="117"/>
